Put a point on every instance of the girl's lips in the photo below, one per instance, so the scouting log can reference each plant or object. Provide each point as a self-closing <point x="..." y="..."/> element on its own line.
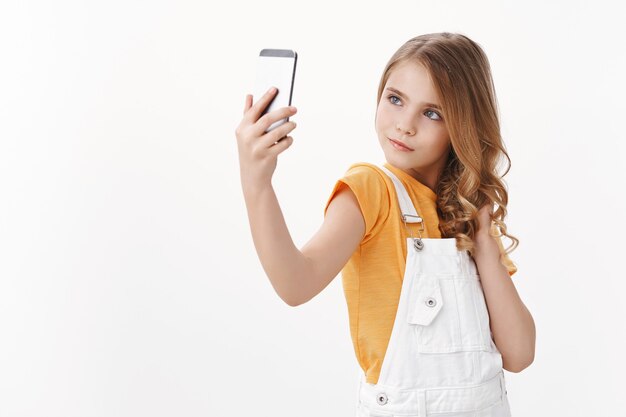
<point x="399" y="145"/>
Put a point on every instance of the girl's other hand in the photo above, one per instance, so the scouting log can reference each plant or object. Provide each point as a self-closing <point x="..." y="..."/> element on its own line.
<point x="258" y="151"/>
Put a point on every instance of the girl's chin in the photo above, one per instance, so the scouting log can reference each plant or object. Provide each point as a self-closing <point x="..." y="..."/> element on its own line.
<point x="399" y="161"/>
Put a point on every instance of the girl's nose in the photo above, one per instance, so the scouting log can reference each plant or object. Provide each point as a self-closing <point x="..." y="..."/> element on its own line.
<point x="409" y="131"/>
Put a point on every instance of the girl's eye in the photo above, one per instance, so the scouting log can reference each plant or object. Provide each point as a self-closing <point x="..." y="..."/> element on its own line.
<point x="392" y="97"/>
<point x="435" y="113"/>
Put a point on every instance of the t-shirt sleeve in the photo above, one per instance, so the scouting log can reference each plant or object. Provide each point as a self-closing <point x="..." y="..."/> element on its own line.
<point x="371" y="193"/>
<point x="506" y="261"/>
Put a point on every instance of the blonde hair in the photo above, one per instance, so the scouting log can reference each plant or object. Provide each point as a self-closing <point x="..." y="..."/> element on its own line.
<point x="462" y="79"/>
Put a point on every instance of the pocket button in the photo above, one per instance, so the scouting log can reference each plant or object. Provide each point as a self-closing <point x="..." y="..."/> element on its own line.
<point x="431" y="302"/>
<point x="381" y="398"/>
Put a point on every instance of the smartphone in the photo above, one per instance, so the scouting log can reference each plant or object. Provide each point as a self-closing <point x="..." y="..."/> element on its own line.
<point x="277" y="68"/>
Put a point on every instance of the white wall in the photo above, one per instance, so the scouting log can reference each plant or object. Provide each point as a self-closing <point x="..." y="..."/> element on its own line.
<point x="129" y="283"/>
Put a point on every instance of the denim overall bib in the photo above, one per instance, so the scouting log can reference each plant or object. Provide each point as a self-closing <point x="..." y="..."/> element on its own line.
<point x="441" y="359"/>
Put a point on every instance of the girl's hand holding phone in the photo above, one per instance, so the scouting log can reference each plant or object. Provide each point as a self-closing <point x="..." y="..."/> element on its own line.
<point x="258" y="149"/>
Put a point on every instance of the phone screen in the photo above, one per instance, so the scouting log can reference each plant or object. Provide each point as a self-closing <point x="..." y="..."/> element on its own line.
<point x="276" y="67"/>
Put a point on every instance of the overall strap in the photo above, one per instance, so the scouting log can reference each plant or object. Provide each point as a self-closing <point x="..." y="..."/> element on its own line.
<point x="407" y="209"/>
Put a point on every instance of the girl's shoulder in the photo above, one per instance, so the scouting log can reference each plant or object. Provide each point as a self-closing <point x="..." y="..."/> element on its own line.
<point x="369" y="184"/>
<point x="367" y="170"/>
<point x="365" y="177"/>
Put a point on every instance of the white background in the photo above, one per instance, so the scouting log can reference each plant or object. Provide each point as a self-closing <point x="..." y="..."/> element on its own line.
<point x="129" y="283"/>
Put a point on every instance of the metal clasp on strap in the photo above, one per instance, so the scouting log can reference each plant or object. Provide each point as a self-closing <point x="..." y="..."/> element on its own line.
<point x="418" y="245"/>
<point x="404" y="216"/>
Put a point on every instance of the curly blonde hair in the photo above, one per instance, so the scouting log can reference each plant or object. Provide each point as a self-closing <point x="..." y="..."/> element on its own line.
<point x="461" y="76"/>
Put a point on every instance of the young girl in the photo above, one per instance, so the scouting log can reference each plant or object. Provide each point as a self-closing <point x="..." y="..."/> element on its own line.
<point x="434" y="315"/>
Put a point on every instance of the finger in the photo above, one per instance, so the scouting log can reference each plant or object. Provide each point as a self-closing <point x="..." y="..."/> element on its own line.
<point x="279" y="147"/>
<point x="257" y="108"/>
<point x="248" y="103"/>
<point x="270" y="138"/>
<point x="272" y="117"/>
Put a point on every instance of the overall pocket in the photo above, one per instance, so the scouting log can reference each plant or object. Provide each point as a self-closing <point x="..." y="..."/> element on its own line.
<point x="449" y="314"/>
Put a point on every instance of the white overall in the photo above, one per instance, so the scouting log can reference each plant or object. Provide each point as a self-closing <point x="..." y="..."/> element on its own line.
<point x="441" y="359"/>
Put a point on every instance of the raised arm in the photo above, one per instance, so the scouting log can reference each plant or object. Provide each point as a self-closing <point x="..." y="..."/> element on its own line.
<point x="297" y="276"/>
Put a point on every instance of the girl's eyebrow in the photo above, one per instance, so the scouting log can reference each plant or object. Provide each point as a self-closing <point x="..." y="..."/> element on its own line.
<point x="404" y="96"/>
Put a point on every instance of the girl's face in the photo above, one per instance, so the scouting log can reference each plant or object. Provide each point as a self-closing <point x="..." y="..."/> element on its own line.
<point x="409" y="112"/>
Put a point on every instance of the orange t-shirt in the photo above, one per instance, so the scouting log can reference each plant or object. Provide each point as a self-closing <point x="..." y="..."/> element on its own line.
<point x="372" y="277"/>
